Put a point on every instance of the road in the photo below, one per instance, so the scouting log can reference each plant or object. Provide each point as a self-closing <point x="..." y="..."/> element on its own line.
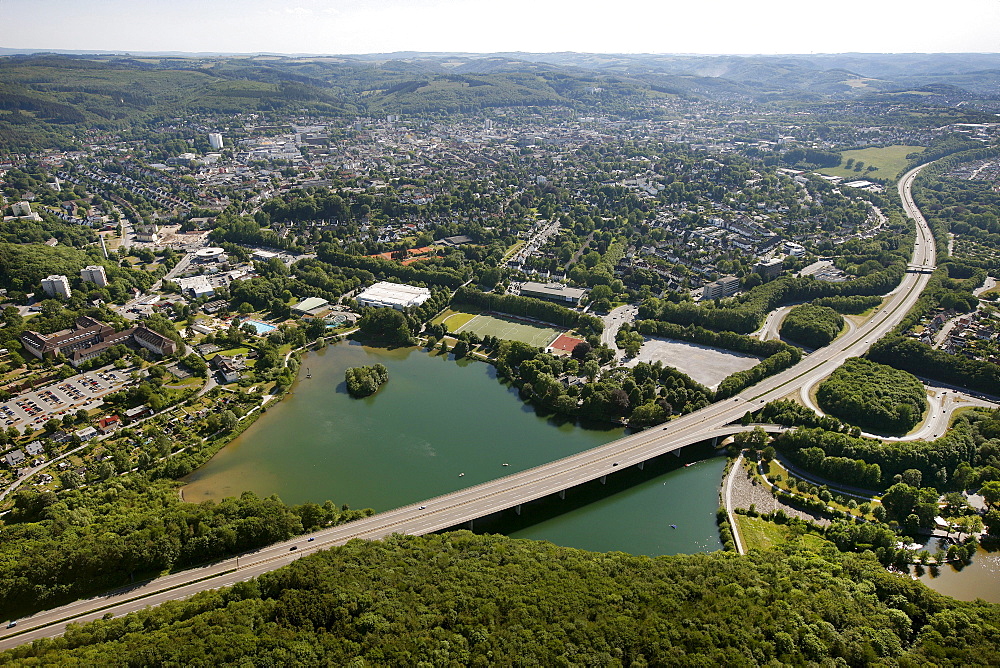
<point x="466" y="505"/>
<point x="613" y="321"/>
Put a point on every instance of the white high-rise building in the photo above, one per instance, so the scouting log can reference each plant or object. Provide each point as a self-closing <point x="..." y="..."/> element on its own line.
<point x="56" y="286"/>
<point x="215" y="140"/>
<point x="95" y="274"/>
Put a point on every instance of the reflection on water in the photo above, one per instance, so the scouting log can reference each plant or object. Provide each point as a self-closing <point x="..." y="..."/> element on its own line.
<point x="966" y="582"/>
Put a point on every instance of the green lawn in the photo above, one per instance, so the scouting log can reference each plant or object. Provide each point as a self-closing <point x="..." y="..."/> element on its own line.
<point x="511" y="330"/>
<point x="759" y="534"/>
<point x="890" y="161"/>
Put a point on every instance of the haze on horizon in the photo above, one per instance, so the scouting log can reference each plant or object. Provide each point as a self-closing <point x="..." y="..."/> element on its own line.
<point x="593" y="26"/>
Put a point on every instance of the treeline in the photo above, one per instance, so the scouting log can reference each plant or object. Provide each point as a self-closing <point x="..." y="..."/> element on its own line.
<point x="856" y="472"/>
<point x="725" y="339"/>
<point x="529" y="307"/>
<point x="390" y="269"/>
<point x="56" y="548"/>
<point x="793" y="414"/>
<point x="947" y="462"/>
<point x="462" y="599"/>
<point x="873" y="396"/>
<point x="920" y="358"/>
<point x="852" y="305"/>
<point x="779" y="355"/>
<point x="363" y="381"/>
<point x="736" y="382"/>
<point x="747" y="313"/>
<point x="812" y="325"/>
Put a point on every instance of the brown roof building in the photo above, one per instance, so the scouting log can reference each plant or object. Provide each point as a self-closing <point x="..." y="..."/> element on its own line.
<point x="91" y="338"/>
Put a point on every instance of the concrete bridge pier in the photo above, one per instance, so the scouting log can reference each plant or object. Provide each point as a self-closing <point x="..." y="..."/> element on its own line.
<point x="642" y="465"/>
<point x="715" y="441"/>
<point x="517" y="509"/>
<point x="469" y="525"/>
<point x="677" y="453"/>
<point x="562" y="494"/>
<point x="604" y="479"/>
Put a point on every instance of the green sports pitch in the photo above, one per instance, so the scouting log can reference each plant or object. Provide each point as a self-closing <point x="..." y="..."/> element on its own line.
<point x="512" y="330"/>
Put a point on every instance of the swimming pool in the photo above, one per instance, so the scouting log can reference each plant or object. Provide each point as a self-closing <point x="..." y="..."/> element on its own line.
<point x="261" y="327"/>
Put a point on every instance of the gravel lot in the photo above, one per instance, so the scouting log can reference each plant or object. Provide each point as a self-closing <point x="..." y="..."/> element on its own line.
<point x="745" y="492"/>
<point x="706" y="365"/>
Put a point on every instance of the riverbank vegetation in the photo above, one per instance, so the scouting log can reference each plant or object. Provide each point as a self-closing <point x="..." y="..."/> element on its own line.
<point x="811" y="325"/>
<point x="475" y="600"/>
<point x="363" y="381"/>
<point x="873" y="396"/>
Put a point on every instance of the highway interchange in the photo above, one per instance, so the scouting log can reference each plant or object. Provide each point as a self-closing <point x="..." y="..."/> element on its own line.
<point x="466" y="505"/>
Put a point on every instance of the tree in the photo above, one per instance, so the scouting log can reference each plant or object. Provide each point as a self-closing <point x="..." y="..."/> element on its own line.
<point x="385" y="324"/>
<point x="228" y="420"/>
<point x="580" y="350"/>
<point x="991" y="492"/>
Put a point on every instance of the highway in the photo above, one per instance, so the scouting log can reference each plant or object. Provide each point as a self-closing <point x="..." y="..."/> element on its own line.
<point x="466" y="505"/>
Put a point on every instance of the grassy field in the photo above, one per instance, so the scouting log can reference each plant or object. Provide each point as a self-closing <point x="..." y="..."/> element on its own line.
<point x="759" y="534"/>
<point x="511" y="330"/>
<point x="453" y="320"/>
<point x="890" y="161"/>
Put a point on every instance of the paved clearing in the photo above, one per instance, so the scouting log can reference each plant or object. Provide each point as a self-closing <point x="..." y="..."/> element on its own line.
<point x="705" y="364"/>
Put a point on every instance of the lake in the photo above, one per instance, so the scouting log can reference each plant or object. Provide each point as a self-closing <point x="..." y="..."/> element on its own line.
<point x="433" y="420"/>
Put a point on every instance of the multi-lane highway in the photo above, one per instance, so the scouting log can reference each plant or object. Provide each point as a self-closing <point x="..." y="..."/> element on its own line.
<point x="471" y="503"/>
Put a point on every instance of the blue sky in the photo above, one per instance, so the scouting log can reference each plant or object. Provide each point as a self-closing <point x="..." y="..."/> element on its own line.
<point x="626" y="26"/>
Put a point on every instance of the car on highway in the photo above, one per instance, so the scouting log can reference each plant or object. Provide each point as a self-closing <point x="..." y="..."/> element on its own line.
<point x="12" y="625"/>
<point x="293" y="547"/>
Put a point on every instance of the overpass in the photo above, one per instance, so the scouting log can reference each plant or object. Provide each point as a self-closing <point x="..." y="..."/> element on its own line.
<point x="468" y="504"/>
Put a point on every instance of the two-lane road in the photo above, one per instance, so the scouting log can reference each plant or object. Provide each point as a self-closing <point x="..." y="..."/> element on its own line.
<point x="474" y="502"/>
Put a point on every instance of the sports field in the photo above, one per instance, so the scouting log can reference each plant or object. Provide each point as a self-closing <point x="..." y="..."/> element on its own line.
<point x="488" y="325"/>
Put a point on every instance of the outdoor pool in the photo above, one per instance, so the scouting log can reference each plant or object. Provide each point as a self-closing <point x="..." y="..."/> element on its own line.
<point x="262" y="328"/>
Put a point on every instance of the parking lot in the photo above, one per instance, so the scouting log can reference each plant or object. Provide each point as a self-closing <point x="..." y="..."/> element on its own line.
<point x="64" y="397"/>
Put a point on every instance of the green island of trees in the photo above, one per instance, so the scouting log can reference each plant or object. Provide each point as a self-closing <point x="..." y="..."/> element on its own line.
<point x="363" y="381"/>
<point x="873" y="396"/>
<point x="811" y="325"/>
<point x="463" y="599"/>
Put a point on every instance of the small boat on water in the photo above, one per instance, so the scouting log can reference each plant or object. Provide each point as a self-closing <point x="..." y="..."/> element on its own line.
<point x="506" y="464"/>
<point x="689" y="464"/>
<point x="460" y="475"/>
<point x="308" y="373"/>
<point x="673" y="526"/>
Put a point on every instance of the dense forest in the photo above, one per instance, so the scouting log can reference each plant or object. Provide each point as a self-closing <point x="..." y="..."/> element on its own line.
<point x="58" y="547"/>
<point x="873" y="396"/>
<point x="812" y="325"/>
<point x="461" y="599"/>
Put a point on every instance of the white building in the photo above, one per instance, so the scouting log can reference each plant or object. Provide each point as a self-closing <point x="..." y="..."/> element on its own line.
<point x="210" y="254"/>
<point x="146" y="232"/>
<point x="393" y="295"/>
<point x="95" y="274"/>
<point x="215" y="140"/>
<point x="196" y="286"/>
<point x="56" y="286"/>
<point x="21" y="209"/>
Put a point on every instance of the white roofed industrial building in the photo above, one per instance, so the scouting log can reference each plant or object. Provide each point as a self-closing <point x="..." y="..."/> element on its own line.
<point x="393" y="295"/>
